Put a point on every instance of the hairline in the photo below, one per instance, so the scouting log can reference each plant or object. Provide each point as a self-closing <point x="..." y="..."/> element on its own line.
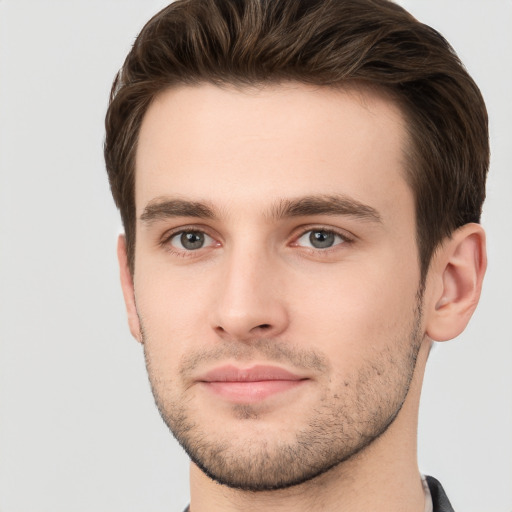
<point x="359" y="87"/>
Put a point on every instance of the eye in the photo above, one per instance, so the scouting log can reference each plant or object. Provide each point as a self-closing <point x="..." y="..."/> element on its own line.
<point x="320" y="239"/>
<point x="190" y="240"/>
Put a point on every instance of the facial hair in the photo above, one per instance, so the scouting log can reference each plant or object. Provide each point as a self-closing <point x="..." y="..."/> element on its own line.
<point x="343" y="422"/>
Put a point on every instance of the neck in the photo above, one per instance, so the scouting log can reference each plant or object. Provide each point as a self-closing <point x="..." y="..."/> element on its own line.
<point x="384" y="476"/>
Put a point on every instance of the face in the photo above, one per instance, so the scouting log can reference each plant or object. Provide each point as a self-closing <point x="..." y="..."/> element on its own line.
<point x="276" y="275"/>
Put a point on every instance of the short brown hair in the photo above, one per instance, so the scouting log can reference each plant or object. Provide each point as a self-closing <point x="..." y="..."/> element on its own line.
<point x="325" y="43"/>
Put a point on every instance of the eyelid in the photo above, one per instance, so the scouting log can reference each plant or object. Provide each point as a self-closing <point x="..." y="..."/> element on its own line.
<point x="345" y="235"/>
<point x="165" y="239"/>
<point x="177" y="236"/>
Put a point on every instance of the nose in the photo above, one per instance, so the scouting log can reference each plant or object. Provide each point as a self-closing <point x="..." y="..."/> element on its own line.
<point x="250" y="301"/>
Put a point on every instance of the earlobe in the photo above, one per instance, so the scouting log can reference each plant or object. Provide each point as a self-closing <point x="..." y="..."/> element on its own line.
<point x="128" y="289"/>
<point x="457" y="273"/>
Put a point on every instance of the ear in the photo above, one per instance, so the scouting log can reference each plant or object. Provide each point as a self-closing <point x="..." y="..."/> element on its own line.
<point x="128" y="289"/>
<point x="455" y="278"/>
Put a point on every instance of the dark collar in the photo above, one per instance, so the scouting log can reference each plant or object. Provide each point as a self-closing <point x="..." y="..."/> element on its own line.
<point x="439" y="499"/>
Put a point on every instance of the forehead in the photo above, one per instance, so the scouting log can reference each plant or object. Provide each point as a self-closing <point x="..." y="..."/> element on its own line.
<point x="246" y="147"/>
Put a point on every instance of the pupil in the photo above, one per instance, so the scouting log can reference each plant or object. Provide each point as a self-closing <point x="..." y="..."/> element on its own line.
<point x="192" y="240"/>
<point x="321" y="239"/>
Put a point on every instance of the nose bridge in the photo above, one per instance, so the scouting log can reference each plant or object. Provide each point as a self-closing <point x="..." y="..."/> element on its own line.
<point x="249" y="304"/>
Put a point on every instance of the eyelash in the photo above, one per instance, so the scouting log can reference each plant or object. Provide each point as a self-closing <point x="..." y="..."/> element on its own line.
<point x="345" y="239"/>
<point x="166" y="240"/>
<point x="168" y="237"/>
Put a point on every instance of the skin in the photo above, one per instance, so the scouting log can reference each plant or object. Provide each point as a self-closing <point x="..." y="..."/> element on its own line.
<point x="348" y="319"/>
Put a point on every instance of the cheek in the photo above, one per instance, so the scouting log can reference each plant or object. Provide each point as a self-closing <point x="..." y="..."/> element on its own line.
<point x="172" y="312"/>
<point x="353" y="312"/>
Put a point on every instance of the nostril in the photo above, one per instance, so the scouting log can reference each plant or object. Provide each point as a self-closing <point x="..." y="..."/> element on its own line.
<point x="264" y="326"/>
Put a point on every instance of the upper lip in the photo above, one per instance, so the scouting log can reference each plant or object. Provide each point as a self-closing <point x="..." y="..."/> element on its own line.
<point x="230" y="373"/>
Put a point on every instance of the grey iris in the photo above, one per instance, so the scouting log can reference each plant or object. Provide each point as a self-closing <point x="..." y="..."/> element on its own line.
<point x="192" y="240"/>
<point x="321" y="239"/>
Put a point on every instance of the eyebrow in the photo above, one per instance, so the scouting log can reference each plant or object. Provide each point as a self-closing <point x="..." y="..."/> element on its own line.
<point x="325" y="205"/>
<point x="163" y="208"/>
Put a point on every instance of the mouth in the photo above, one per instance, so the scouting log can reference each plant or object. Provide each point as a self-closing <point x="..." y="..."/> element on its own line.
<point x="250" y="385"/>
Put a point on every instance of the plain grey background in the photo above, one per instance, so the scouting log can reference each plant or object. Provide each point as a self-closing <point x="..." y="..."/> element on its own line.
<point x="78" y="428"/>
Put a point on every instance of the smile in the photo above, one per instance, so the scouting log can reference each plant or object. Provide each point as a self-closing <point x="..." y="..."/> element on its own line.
<point x="249" y="385"/>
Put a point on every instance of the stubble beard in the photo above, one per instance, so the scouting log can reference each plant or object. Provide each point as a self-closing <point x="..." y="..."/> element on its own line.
<point x="343" y="424"/>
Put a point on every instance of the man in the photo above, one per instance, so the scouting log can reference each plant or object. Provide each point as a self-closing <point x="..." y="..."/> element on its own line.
<point x="300" y="184"/>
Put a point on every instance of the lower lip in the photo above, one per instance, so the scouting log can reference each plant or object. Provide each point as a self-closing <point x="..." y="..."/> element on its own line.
<point x="254" y="391"/>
